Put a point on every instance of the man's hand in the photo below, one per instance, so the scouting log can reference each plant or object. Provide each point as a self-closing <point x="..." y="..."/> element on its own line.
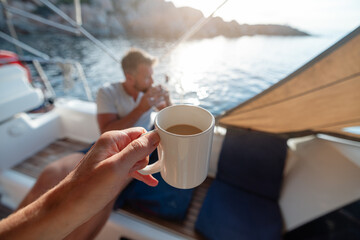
<point x="150" y="98"/>
<point x="104" y="170"/>
<point x="87" y="190"/>
<point x="156" y="96"/>
<point x="124" y="151"/>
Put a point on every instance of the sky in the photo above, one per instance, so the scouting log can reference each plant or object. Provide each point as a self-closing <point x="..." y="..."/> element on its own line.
<point x="313" y="16"/>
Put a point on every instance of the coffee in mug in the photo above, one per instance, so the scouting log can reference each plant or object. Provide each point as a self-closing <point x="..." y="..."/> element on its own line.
<point x="183" y="129"/>
<point x="186" y="134"/>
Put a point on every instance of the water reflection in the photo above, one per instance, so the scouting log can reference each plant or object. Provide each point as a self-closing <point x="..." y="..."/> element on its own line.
<point x="217" y="73"/>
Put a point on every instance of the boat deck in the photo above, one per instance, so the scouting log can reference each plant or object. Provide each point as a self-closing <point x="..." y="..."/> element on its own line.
<point x="34" y="165"/>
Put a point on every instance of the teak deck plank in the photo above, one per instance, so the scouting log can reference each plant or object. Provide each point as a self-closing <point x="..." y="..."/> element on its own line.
<point x="35" y="164"/>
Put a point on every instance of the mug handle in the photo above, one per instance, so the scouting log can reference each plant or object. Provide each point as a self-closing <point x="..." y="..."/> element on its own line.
<point x="152" y="168"/>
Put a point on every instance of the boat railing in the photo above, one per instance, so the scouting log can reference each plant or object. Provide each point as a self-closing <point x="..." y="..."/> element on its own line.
<point x="42" y="58"/>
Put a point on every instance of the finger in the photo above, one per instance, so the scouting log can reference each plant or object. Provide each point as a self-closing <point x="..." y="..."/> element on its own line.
<point x="121" y="137"/>
<point x="113" y="142"/>
<point x="151" y="100"/>
<point x="138" y="149"/>
<point x="147" y="179"/>
<point x="150" y="91"/>
<point x="140" y="165"/>
<point x="134" y="132"/>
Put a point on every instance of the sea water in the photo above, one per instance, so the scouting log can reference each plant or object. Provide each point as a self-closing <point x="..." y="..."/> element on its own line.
<point x="217" y="73"/>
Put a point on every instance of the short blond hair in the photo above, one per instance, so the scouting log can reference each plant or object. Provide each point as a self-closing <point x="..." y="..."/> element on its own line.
<point x="133" y="58"/>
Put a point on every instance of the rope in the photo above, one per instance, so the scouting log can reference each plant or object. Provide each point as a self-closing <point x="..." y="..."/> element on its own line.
<point x="42" y="20"/>
<point x="10" y="25"/>
<point x="44" y="56"/>
<point x="81" y="29"/>
<point x="23" y="46"/>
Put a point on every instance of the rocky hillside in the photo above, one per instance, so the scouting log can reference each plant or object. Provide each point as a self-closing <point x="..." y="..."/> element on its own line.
<point x="149" y="18"/>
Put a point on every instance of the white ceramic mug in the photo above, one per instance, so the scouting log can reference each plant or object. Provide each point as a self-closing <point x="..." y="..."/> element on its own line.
<point x="183" y="159"/>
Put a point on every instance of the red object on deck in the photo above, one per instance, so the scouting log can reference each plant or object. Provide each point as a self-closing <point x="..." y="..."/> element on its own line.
<point x="7" y="58"/>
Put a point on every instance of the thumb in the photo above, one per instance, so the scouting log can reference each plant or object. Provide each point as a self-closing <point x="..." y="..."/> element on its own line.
<point x="139" y="149"/>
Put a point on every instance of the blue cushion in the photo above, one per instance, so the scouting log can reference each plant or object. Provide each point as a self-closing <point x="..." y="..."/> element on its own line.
<point x="253" y="161"/>
<point x="163" y="200"/>
<point x="230" y="213"/>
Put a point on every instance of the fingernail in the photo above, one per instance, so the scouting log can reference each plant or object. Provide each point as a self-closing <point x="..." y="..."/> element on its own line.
<point x="154" y="138"/>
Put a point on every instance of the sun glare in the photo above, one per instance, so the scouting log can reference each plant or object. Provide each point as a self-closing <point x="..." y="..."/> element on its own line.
<point x="191" y="60"/>
<point x="188" y="64"/>
<point x="307" y="15"/>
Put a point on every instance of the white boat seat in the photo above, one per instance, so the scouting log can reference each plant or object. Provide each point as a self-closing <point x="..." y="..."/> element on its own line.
<point x="16" y="93"/>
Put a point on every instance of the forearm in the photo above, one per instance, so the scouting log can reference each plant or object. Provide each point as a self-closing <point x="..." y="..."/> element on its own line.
<point x="42" y="219"/>
<point x="90" y="187"/>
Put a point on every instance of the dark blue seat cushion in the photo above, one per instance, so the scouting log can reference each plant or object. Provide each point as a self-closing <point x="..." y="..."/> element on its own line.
<point x="230" y="213"/>
<point x="163" y="200"/>
<point x="253" y="161"/>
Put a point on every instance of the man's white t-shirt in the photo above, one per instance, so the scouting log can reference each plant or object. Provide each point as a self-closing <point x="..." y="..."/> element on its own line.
<point x="112" y="98"/>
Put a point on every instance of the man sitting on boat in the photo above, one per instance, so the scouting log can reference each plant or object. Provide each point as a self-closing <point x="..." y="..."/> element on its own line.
<point x="127" y="104"/>
<point x="120" y="105"/>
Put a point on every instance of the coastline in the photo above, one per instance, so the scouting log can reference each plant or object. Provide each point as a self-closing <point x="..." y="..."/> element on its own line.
<point x="152" y="18"/>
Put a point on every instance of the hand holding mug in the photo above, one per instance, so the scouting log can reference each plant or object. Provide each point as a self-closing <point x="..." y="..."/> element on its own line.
<point x="186" y="134"/>
<point x="87" y="190"/>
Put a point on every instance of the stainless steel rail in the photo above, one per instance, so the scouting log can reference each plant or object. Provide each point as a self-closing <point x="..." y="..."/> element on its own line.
<point x="44" y="58"/>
